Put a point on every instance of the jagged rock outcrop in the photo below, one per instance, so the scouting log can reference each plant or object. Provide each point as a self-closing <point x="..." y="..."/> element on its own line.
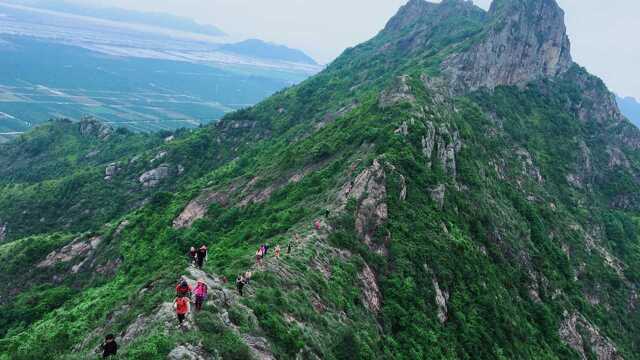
<point x="370" y="290"/>
<point x="153" y="177"/>
<point x="77" y="248"/>
<point x="441" y="143"/>
<point x="524" y="41"/>
<point x="370" y="190"/>
<point x="579" y="334"/>
<point x="111" y="170"/>
<point x="92" y="127"/>
<point x="442" y="297"/>
<point x="197" y="208"/>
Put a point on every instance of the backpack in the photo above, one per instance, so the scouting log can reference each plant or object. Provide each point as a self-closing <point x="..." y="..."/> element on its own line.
<point x="182" y="305"/>
<point x="201" y="289"/>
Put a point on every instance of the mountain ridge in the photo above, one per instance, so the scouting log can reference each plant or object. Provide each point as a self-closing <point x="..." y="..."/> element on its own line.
<point x="428" y="219"/>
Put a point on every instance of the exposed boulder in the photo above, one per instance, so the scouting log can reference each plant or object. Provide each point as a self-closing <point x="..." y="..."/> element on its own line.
<point x="524" y="41"/>
<point x="153" y="177"/>
<point x="197" y="208"/>
<point x="579" y="334"/>
<point x="111" y="170"/>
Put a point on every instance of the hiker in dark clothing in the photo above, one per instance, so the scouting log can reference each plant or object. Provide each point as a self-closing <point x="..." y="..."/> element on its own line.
<point x="183" y="289"/>
<point x="240" y="282"/>
<point x="109" y="346"/>
<point x="192" y="255"/>
<point x="289" y="248"/>
<point x="201" y="256"/>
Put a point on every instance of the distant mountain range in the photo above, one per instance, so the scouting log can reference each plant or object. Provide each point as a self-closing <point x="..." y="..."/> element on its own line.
<point x="265" y="50"/>
<point x="115" y="14"/>
<point x="630" y="107"/>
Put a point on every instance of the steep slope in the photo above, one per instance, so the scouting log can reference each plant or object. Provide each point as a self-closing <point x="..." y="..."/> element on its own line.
<point x="469" y="205"/>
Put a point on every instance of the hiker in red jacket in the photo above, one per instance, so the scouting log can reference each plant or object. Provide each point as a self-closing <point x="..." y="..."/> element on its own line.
<point x="182" y="306"/>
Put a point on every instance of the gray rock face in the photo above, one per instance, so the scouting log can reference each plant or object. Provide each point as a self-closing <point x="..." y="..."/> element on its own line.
<point x="90" y="127"/>
<point x="77" y="248"/>
<point x="3" y="231"/>
<point x="197" y="208"/>
<point x="442" y="297"/>
<point x="153" y="177"/>
<point x="441" y="144"/>
<point x="110" y="171"/>
<point x="524" y="41"/>
<point x="188" y="352"/>
<point x="370" y="190"/>
<point x="371" y="292"/>
<point x="578" y="333"/>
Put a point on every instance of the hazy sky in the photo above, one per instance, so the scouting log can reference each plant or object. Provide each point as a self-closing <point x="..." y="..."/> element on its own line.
<point x="604" y="33"/>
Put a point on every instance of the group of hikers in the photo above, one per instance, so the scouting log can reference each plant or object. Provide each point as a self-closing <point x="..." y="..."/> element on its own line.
<point x="198" y="256"/>
<point x="185" y="292"/>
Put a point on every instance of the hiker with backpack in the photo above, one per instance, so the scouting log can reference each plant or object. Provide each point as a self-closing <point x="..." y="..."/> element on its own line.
<point x="201" y="256"/>
<point x="240" y="282"/>
<point x="109" y="347"/>
<point x="182" y="306"/>
<point x="277" y="251"/>
<point x="192" y="256"/>
<point x="201" y="291"/>
<point x="183" y="289"/>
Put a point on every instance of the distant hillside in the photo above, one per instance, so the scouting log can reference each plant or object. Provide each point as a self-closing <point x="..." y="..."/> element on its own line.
<point x="630" y="107"/>
<point x="130" y="16"/>
<point x="265" y="50"/>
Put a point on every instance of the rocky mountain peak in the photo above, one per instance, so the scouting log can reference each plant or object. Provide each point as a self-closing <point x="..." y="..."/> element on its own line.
<point x="418" y="14"/>
<point x="523" y="41"/>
